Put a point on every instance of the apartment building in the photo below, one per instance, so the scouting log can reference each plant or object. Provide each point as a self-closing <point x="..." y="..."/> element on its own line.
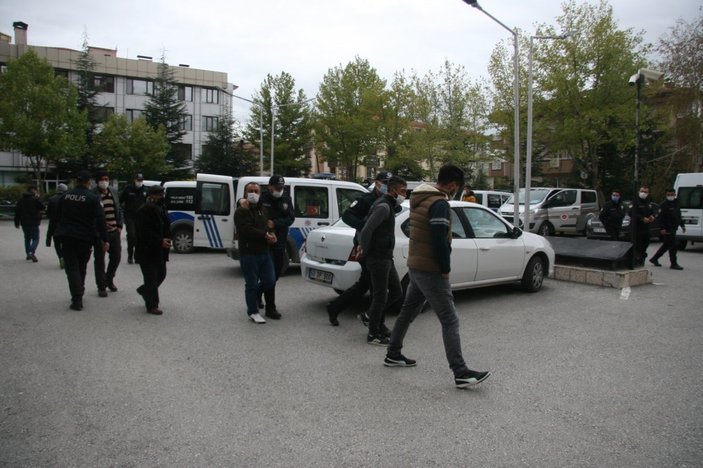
<point x="125" y="85"/>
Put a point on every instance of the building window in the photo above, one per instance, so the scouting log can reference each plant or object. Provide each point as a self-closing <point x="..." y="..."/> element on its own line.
<point x="185" y="93"/>
<point x="104" y="84"/>
<point x="143" y="87"/>
<point x="209" y="123"/>
<point x="496" y="165"/>
<point x="57" y="72"/>
<point x="133" y="114"/>
<point x="187" y="123"/>
<point x="182" y="151"/>
<point x="103" y="113"/>
<point x="211" y="96"/>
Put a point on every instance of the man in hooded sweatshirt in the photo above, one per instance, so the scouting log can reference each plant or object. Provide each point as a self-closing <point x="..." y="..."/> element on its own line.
<point x="28" y="215"/>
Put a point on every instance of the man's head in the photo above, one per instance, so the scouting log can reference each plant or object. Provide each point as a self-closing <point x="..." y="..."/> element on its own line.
<point x="252" y="192"/>
<point x="615" y="195"/>
<point x="33" y="190"/>
<point x="450" y="179"/>
<point x="382" y="179"/>
<point x="83" y="178"/>
<point x="61" y="188"/>
<point x="670" y="194"/>
<point x="102" y="179"/>
<point x="397" y="187"/>
<point x="156" y="193"/>
<point x="644" y="192"/>
<point x="138" y="180"/>
<point x="276" y="185"/>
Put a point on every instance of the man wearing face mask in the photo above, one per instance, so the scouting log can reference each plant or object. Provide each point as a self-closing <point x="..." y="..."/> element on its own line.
<point x="105" y="277"/>
<point x="131" y="199"/>
<point x="670" y="220"/>
<point x="641" y="216"/>
<point x="281" y="216"/>
<point x="376" y="243"/>
<point x="612" y="215"/>
<point x="255" y="240"/>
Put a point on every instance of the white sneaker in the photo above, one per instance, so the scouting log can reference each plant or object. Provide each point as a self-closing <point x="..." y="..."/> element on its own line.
<point x="256" y="318"/>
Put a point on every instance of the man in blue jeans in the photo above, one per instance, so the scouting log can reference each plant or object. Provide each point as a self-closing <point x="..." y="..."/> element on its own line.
<point x="255" y="242"/>
<point x="28" y="215"/>
<point x="428" y="268"/>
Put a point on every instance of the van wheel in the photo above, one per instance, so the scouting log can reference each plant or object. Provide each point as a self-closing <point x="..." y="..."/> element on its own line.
<point x="546" y="229"/>
<point x="682" y="245"/>
<point x="183" y="240"/>
<point x="533" y="277"/>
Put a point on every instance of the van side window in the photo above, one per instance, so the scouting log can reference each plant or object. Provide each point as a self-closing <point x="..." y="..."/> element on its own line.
<point x="311" y="202"/>
<point x="494" y="200"/>
<point x="180" y="198"/>
<point x="345" y="197"/>
<point x="588" y="197"/>
<point x="563" y="198"/>
<point x="214" y="198"/>
<point x="690" y="197"/>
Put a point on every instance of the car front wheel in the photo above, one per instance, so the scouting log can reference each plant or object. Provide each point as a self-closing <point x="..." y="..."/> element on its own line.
<point x="545" y="229"/>
<point x="533" y="277"/>
<point x="183" y="240"/>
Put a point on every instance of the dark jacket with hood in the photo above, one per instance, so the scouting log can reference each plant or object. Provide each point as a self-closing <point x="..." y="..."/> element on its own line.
<point x="28" y="211"/>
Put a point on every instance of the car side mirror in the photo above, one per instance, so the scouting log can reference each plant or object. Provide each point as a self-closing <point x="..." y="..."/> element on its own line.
<point x="516" y="232"/>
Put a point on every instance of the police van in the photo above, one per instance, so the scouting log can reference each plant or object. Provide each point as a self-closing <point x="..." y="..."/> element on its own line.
<point x="213" y="199"/>
<point x="689" y="192"/>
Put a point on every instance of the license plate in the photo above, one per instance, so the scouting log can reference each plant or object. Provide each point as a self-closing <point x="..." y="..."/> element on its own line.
<point x="598" y="229"/>
<point x="320" y="276"/>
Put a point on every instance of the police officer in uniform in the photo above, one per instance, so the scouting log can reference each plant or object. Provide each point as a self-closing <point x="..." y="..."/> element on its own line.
<point x="80" y="214"/>
<point x="131" y="199"/>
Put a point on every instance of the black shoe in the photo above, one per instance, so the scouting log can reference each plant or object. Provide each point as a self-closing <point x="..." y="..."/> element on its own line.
<point x="273" y="314"/>
<point x="140" y="290"/>
<point x="130" y="260"/>
<point x="28" y="257"/>
<point x="654" y="262"/>
<point x="384" y="330"/>
<point x="676" y="266"/>
<point x="332" y="315"/>
<point x="399" y="361"/>
<point x="102" y="293"/>
<point x="76" y="305"/>
<point x="377" y="340"/>
<point x="364" y="317"/>
<point x="471" y="378"/>
<point x="34" y="258"/>
<point x="111" y="286"/>
<point x="155" y="311"/>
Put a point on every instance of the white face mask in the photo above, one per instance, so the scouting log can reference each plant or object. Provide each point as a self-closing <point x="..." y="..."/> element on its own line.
<point x="671" y="197"/>
<point x="400" y="199"/>
<point x="277" y="194"/>
<point x="253" y="197"/>
<point x="138" y="184"/>
<point x="643" y="195"/>
<point x="103" y="184"/>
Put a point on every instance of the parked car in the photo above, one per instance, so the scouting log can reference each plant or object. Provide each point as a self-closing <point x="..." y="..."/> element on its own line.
<point x="7" y="209"/>
<point x="596" y="230"/>
<point x="486" y="250"/>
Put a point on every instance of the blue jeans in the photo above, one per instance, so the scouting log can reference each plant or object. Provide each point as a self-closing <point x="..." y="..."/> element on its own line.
<point x="430" y="286"/>
<point x="259" y="277"/>
<point x="31" y="239"/>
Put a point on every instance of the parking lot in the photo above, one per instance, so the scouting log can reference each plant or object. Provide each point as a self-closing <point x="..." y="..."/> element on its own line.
<point x="582" y="375"/>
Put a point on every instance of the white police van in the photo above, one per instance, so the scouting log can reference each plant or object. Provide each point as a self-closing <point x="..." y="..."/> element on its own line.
<point x="210" y="221"/>
<point x="689" y="192"/>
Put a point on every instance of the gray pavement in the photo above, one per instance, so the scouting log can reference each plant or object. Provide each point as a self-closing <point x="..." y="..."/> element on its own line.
<point x="582" y="375"/>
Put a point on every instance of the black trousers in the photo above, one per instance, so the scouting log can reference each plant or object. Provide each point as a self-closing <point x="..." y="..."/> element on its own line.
<point x="668" y="244"/>
<point x="642" y="234"/>
<point x="129" y="224"/>
<point x="354" y="294"/>
<point x="154" y="273"/>
<point x="104" y="276"/>
<point x="76" y="254"/>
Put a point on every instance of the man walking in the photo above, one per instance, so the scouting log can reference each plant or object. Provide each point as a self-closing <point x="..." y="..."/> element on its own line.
<point x="612" y="214"/>
<point x="152" y="248"/>
<point x="28" y="215"/>
<point x="52" y="213"/>
<point x="428" y="267"/>
<point x="105" y="278"/>
<point x="131" y="199"/>
<point x="670" y="220"/>
<point x="80" y="213"/>
<point x="641" y="216"/>
<point x="376" y="243"/>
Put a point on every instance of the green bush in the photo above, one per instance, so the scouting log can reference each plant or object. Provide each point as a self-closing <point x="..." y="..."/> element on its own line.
<point x="12" y="192"/>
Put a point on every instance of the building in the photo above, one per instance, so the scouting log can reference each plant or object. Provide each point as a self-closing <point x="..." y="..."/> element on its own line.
<point x="125" y="86"/>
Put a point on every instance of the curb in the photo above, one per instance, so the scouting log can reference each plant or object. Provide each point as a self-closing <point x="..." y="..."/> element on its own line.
<point x="611" y="279"/>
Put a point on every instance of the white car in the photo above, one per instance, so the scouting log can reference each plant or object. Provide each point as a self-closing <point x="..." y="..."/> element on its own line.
<point x="486" y="250"/>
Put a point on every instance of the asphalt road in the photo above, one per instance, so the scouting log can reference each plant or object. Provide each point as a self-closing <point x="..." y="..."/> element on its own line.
<point x="582" y="375"/>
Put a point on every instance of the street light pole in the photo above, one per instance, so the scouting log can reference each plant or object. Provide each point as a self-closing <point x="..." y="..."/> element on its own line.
<point x="516" y="104"/>
<point x="261" y="132"/>
<point x="528" y="156"/>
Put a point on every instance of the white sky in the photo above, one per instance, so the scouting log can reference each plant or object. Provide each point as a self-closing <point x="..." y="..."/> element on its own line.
<point x="306" y="38"/>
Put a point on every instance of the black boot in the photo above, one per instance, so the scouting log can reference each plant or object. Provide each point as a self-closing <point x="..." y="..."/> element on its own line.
<point x="271" y="311"/>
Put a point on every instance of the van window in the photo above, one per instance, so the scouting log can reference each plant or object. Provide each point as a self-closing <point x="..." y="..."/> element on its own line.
<point x="494" y="200"/>
<point x="311" y="202"/>
<point x="588" y="197"/>
<point x="690" y="197"/>
<point x="563" y="198"/>
<point x="345" y="197"/>
<point x="180" y="198"/>
<point x="214" y="198"/>
<point x="479" y="198"/>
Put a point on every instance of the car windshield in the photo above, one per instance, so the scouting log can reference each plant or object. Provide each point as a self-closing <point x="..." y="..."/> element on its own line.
<point x="536" y="196"/>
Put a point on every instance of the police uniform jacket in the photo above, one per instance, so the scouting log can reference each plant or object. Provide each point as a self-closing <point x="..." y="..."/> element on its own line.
<point x="280" y="211"/>
<point x="81" y="215"/>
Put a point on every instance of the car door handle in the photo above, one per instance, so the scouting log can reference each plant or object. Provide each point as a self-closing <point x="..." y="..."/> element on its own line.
<point x="204" y="217"/>
<point x="224" y="220"/>
<point x="575" y="208"/>
<point x="323" y="224"/>
<point x="484" y="248"/>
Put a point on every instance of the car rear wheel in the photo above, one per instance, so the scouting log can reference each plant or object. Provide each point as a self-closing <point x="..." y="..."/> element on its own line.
<point x="533" y="277"/>
<point x="546" y="229"/>
<point x="183" y="240"/>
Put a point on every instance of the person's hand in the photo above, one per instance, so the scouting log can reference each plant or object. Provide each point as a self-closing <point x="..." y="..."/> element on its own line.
<point x="663" y="232"/>
<point x="106" y="246"/>
<point x="244" y="203"/>
<point x="166" y="243"/>
<point x="270" y="238"/>
<point x="270" y="224"/>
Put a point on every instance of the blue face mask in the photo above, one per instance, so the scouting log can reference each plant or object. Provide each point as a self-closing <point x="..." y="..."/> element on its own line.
<point x="383" y="188"/>
<point x="615" y="198"/>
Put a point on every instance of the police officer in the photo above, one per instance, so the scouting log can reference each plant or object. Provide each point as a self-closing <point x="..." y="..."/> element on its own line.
<point x="670" y="220"/>
<point x="642" y="215"/>
<point x="612" y="215"/>
<point x="131" y="199"/>
<point x="80" y="214"/>
<point x="279" y="206"/>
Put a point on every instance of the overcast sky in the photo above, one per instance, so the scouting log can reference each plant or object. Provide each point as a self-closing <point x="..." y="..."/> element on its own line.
<point x="306" y="38"/>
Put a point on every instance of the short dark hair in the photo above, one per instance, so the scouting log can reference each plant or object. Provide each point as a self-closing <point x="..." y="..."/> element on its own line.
<point x="395" y="182"/>
<point x="250" y="183"/>
<point x="616" y="191"/>
<point x="669" y="190"/>
<point x="450" y="173"/>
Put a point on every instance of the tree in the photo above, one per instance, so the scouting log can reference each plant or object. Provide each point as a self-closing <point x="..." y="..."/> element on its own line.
<point x="348" y="117"/>
<point x="163" y="109"/>
<point x="125" y="148"/>
<point x="39" y="114"/>
<point x="224" y="152"/>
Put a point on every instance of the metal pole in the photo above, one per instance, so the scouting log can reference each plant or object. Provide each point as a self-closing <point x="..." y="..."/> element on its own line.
<point x="635" y="178"/>
<point x="273" y="130"/>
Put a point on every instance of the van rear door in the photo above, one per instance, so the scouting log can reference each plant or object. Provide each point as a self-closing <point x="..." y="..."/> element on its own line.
<point x="213" y="226"/>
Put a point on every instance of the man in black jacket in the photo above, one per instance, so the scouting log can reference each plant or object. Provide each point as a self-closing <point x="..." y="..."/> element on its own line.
<point x="641" y="216"/>
<point x="131" y="199"/>
<point x="152" y="247"/>
<point x="80" y="213"/>
<point x="670" y="220"/>
<point x="52" y="212"/>
<point x="612" y="214"/>
<point x="28" y="215"/>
